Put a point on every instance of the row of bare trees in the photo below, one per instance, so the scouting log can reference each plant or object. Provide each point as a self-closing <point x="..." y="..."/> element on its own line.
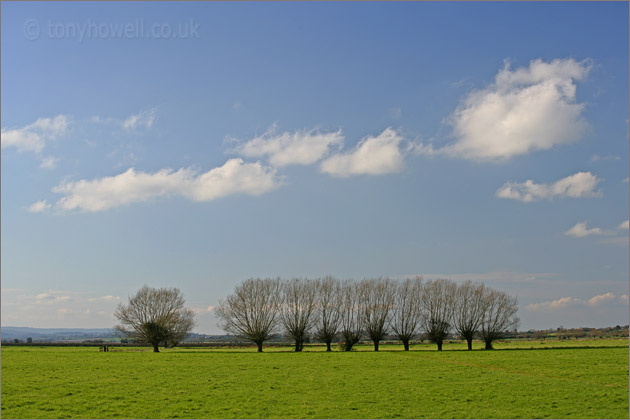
<point x="329" y="308"/>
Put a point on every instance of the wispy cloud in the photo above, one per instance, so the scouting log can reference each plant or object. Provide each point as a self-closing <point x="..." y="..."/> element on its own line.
<point x="566" y="302"/>
<point x="579" y="185"/>
<point x="396" y="113"/>
<point x="106" y="298"/>
<point x="600" y="299"/>
<point x="524" y="110"/>
<point x="143" y="119"/>
<point x="53" y="307"/>
<point x="498" y="276"/>
<point x="49" y="298"/>
<point x="49" y="162"/>
<point x="302" y="147"/>
<point x="373" y="155"/>
<point x="553" y="304"/>
<point x="38" y="207"/>
<point x="33" y="137"/>
<point x="203" y="310"/>
<point x="131" y="186"/>
<point x="598" y="158"/>
<point x="581" y="230"/>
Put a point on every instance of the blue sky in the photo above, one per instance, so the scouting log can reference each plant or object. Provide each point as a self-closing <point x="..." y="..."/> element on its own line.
<point x="209" y="142"/>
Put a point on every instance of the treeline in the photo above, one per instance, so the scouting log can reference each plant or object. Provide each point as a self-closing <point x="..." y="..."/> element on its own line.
<point x="330" y="309"/>
<point x="562" y="333"/>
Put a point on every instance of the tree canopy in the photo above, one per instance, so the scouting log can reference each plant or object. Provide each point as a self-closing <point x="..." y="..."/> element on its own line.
<point x="156" y="317"/>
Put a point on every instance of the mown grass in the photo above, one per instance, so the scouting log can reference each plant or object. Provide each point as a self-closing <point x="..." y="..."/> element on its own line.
<point x="588" y="380"/>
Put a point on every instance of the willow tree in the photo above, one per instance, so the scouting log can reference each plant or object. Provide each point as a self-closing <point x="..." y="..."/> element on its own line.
<point x="156" y="317"/>
<point x="350" y="313"/>
<point x="297" y="309"/>
<point x="376" y="298"/>
<point x="328" y="316"/>
<point x="407" y="310"/>
<point x="251" y="312"/>
<point x="499" y="316"/>
<point x="438" y="303"/>
<point x="469" y="307"/>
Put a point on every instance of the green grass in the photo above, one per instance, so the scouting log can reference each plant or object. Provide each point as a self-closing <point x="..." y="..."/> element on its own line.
<point x="587" y="380"/>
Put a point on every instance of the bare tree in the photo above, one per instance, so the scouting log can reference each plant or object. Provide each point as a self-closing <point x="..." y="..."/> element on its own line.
<point x="469" y="307"/>
<point x="297" y="309"/>
<point x="407" y="310"/>
<point x="350" y="314"/>
<point x="438" y="302"/>
<point x="376" y="297"/>
<point x="251" y="311"/>
<point x="329" y="300"/>
<point x="156" y="317"/>
<point x="499" y="316"/>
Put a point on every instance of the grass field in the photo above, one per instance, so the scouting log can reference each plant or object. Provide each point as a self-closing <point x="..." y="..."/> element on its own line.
<point x="576" y="379"/>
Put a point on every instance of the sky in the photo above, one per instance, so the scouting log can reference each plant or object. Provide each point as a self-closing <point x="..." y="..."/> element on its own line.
<point x="197" y="145"/>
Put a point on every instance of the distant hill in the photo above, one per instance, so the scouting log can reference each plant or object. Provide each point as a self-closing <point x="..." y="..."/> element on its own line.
<point x="81" y="334"/>
<point x="55" y="334"/>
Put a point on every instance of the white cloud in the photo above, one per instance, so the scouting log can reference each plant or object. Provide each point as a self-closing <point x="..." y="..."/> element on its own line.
<point x="33" y="137"/>
<point x="524" y="110"/>
<point x="601" y="299"/>
<point x="50" y="297"/>
<point x="597" y="158"/>
<point x="624" y="225"/>
<point x="101" y="120"/>
<point x="234" y="177"/>
<point x="142" y="119"/>
<point x="554" y="304"/>
<point x="205" y="309"/>
<point x="565" y="302"/>
<point x="579" y="185"/>
<point x="59" y="308"/>
<point x="49" y="162"/>
<point x="372" y="155"/>
<point x="580" y="230"/>
<point x="38" y="207"/>
<point x="303" y="147"/>
<point x="626" y="180"/>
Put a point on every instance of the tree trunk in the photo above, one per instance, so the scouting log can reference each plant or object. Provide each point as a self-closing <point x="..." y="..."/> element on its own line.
<point x="348" y="346"/>
<point x="298" y="345"/>
<point x="439" y="344"/>
<point x="328" y="346"/>
<point x="488" y="344"/>
<point x="469" y="340"/>
<point x="406" y="344"/>
<point x="156" y="349"/>
<point x="259" y="346"/>
<point x="375" y="345"/>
